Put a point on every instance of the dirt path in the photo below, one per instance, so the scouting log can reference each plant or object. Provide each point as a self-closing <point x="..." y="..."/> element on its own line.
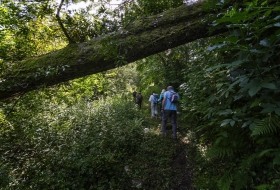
<point x="181" y="167"/>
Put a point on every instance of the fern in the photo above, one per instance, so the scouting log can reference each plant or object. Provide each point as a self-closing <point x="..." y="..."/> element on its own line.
<point x="225" y="181"/>
<point x="220" y="152"/>
<point x="266" y="126"/>
<point x="240" y="180"/>
<point x="264" y="187"/>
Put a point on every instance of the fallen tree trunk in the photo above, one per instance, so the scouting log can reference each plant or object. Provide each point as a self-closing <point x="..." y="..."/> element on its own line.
<point x="140" y="39"/>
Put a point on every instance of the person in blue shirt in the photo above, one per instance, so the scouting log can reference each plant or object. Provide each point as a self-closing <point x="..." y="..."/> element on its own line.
<point x="169" y="109"/>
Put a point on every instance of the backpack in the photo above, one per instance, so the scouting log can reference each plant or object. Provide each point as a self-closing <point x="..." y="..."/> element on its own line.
<point x="139" y="97"/>
<point x="155" y="98"/>
<point x="174" y="97"/>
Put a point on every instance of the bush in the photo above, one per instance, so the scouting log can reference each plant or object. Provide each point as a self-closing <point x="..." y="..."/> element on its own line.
<point x="85" y="146"/>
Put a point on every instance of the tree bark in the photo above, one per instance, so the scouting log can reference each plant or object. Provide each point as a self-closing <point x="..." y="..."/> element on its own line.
<point x="140" y="39"/>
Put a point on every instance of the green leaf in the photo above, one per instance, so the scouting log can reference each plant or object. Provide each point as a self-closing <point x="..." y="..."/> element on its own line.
<point x="267" y="151"/>
<point x="232" y="39"/>
<point x="276" y="8"/>
<point x="219" y="85"/>
<point x="263" y="3"/>
<point x="224" y="134"/>
<point x="215" y="67"/>
<point x="277" y="17"/>
<point x="265" y="42"/>
<point x="268" y="110"/>
<point x="276" y="160"/>
<point x="256" y="51"/>
<point x="237" y="63"/>
<point x="225" y="112"/>
<point x="225" y="122"/>
<point x="247" y="123"/>
<point x="254" y="90"/>
<point x="216" y="47"/>
<point x="277" y="111"/>
<point x="255" y="103"/>
<point x="252" y="126"/>
<point x="235" y="118"/>
<point x="227" y="93"/>
<point x="232" y="123"/>
<point x="244" y="125"/>
<point x="267" y="13"/>
<point x="268" y="85"/>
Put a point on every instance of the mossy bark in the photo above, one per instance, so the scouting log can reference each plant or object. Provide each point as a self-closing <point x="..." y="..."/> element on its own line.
<point x="144" y="37"/>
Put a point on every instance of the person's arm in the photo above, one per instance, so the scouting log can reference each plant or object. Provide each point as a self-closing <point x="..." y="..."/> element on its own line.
<point x="163" y="104"/>
<point x="160" y="98"/>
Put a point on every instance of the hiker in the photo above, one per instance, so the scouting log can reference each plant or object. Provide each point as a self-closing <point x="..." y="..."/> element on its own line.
<point x="139" y="99"/>
<point x="160" y="102"/>
<point x="134" y="96"/>
<point x="153" y="99"/>
<point x="169" y="109"/>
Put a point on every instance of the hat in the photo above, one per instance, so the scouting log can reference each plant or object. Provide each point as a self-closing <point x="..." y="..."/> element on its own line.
<point x="163" y="90"/>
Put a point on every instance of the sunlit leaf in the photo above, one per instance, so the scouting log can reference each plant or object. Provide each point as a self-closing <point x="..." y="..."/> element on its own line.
<point x="265" y="42"/>
<point x="225" y="112"/>
<point x="225" y="122"/>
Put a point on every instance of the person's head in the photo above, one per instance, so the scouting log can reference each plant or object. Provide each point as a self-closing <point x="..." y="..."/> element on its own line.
<point x="163" y="90"/>
<point x="170" y="88"/>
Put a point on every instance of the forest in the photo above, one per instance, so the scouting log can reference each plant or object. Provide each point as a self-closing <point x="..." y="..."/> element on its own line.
<point x="68" y="119"/>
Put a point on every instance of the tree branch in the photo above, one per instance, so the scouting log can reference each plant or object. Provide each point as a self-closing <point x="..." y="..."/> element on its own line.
<point x="61" y="24"/>
<point x="140" y="39"/>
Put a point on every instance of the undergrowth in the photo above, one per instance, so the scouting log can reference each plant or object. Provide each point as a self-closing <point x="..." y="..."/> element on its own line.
<point x="88" y="145"/>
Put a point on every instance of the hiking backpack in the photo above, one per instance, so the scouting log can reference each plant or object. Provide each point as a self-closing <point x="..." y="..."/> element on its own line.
<point x="174" y="97"/>
<point x="155" y="98"/>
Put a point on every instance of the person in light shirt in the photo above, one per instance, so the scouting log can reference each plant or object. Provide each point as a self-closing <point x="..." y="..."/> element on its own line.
<point x="153" y="99"/>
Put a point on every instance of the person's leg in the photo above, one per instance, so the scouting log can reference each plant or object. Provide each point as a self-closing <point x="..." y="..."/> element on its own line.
<point x="174" y="123"/>
<point x="160" y="112"/>
<point x="164" y="121"/>
<point x="152" y="110"/>
<point x="156" y="112"/>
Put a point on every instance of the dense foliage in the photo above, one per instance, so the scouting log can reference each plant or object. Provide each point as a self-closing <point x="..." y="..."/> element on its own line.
<point x="230" y="97"/>
<point x="233" y="101"/>
<point x="46" y="143"/>
<point x="88" y="133"/>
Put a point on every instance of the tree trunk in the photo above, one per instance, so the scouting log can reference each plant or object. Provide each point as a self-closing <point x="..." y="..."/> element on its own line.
<point x="140" y="39"/>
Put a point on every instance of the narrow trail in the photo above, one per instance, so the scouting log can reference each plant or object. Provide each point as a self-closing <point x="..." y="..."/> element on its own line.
<point x="181" y="167"/>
